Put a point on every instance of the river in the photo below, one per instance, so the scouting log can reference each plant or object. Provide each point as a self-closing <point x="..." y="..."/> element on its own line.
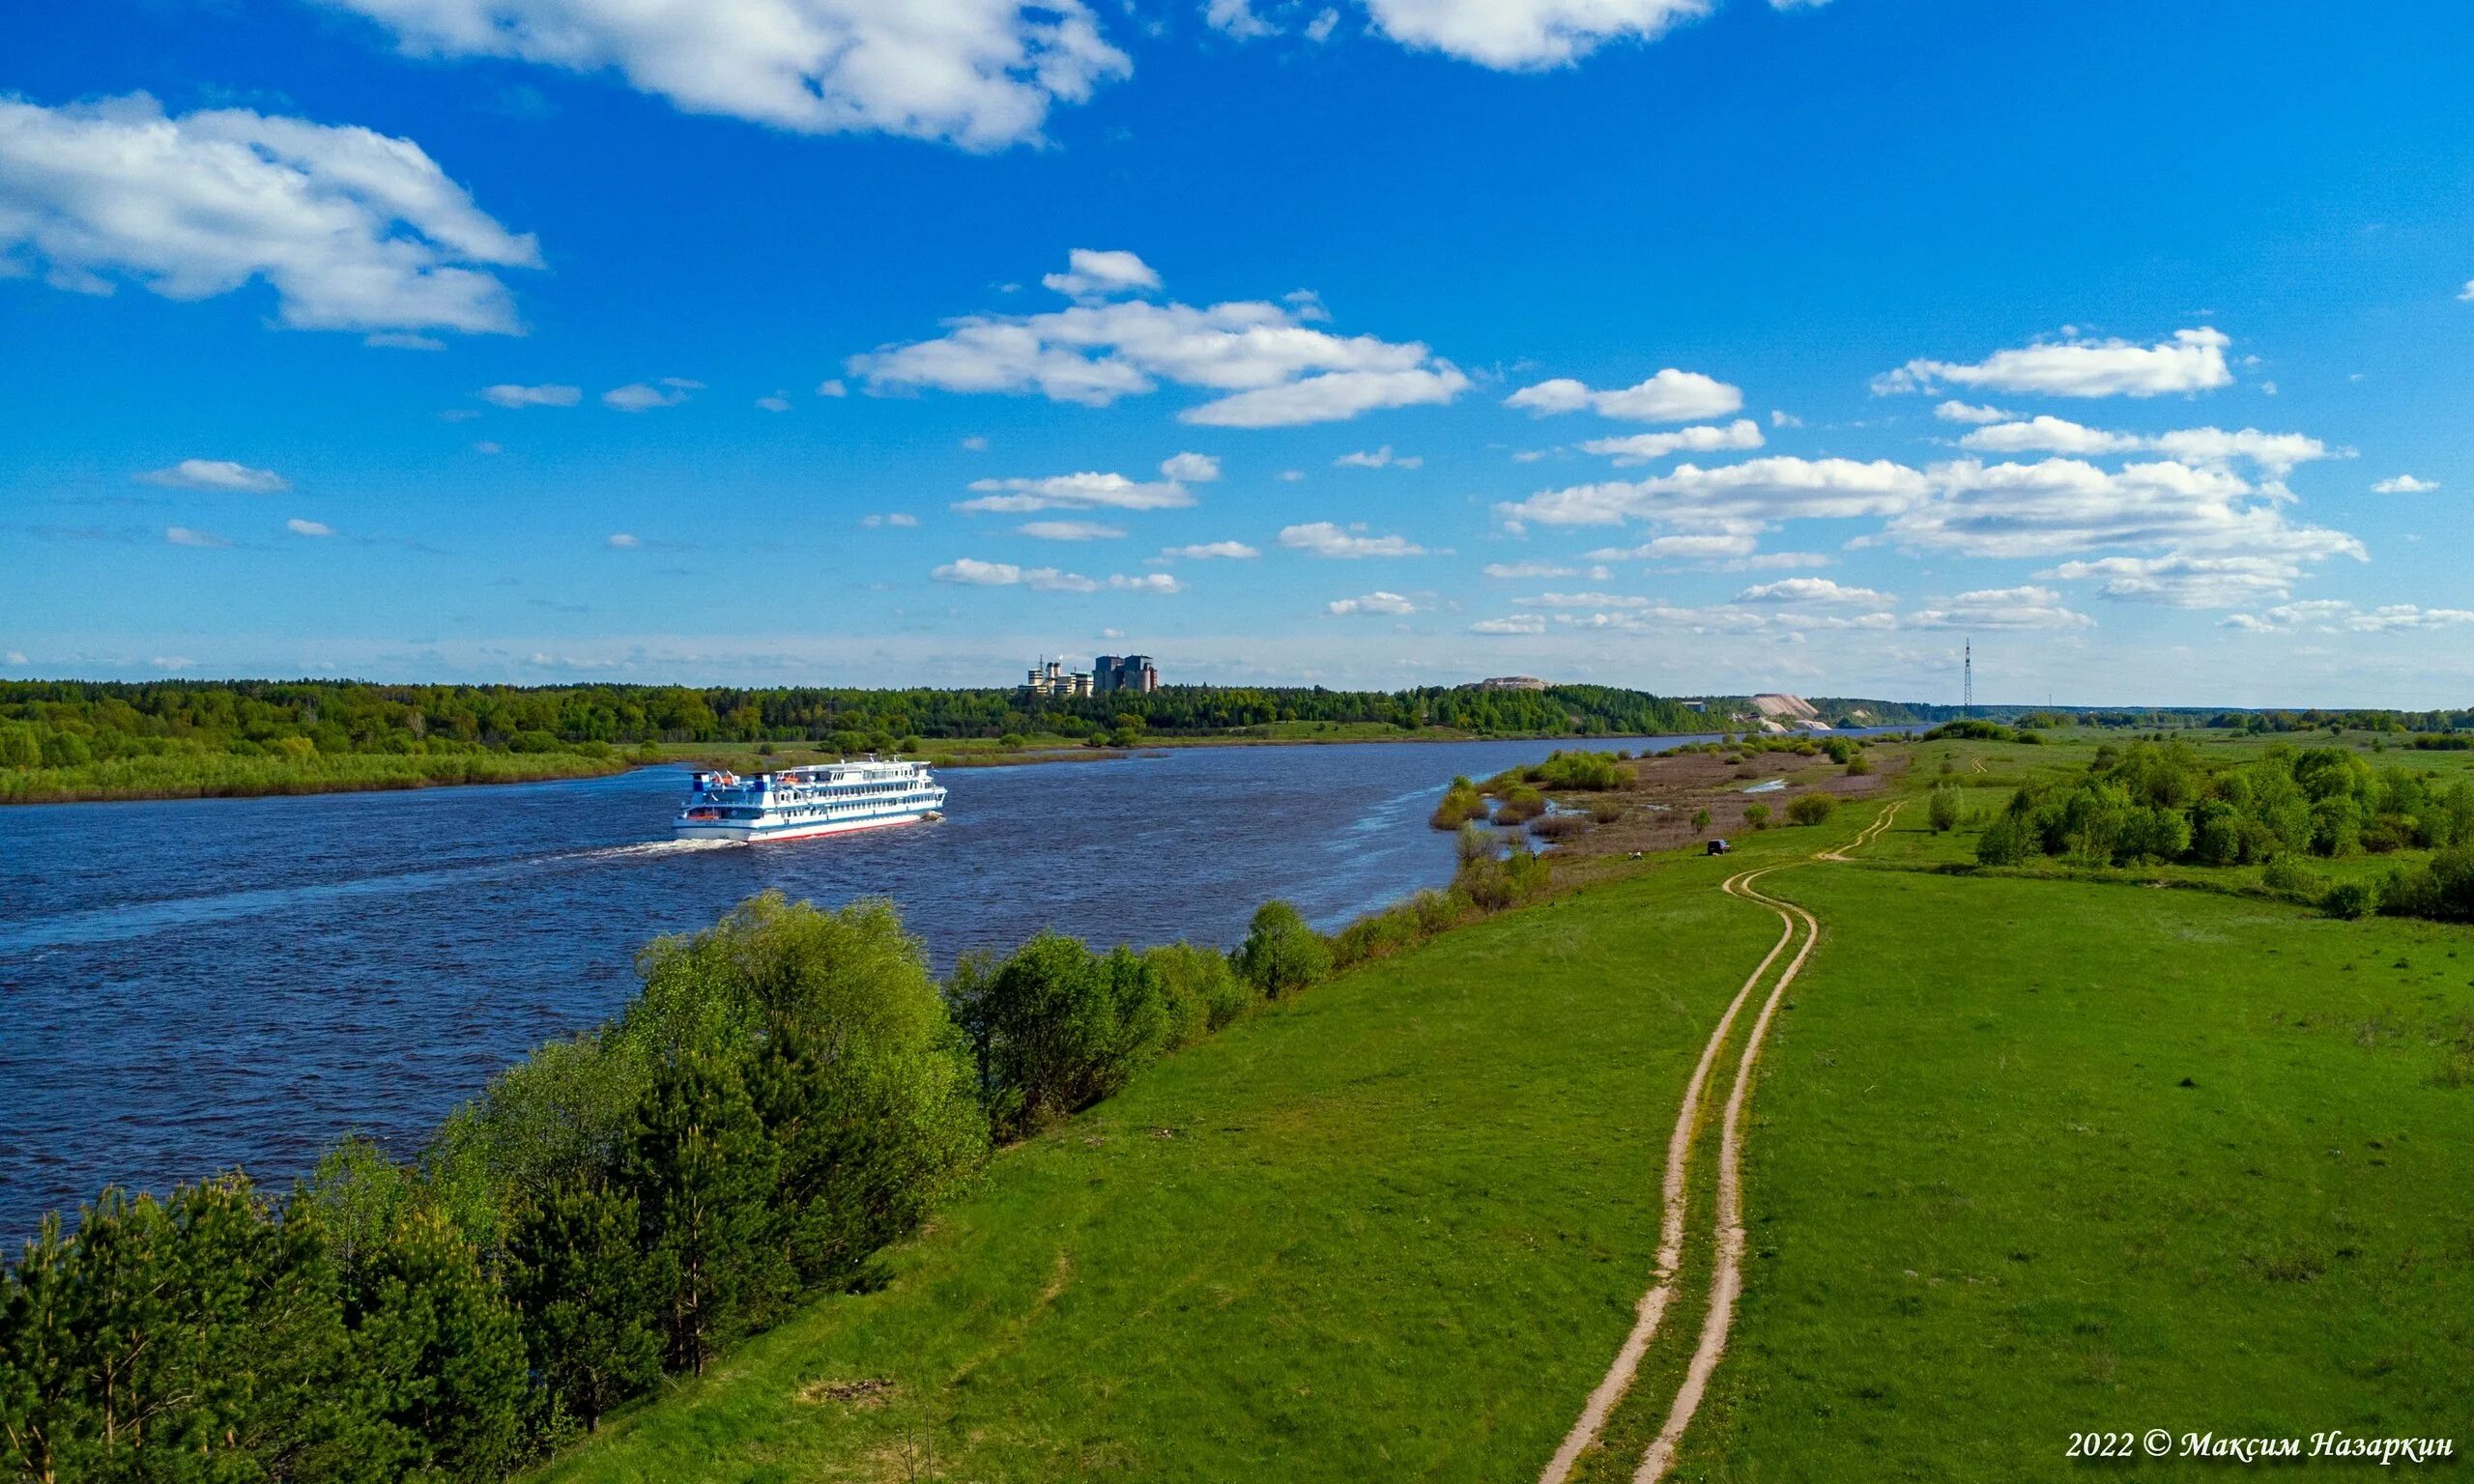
<point x="191" y="985"/>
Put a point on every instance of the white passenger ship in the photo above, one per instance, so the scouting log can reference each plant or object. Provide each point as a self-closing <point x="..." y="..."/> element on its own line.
<point x="797" y="802"/>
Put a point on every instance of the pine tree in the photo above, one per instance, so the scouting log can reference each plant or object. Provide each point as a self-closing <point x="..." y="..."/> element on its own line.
<point x="441" y="1351"/>
<point x="703" y="1176"/>
<point x="589" y="1309"/>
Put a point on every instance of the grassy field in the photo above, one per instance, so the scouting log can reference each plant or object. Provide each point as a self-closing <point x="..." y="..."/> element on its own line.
<point x="2028" y="1156"/>
<point x="220" y="775"/>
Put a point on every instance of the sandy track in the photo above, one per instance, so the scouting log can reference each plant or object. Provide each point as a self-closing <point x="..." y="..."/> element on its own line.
<point x="1727" y="1278"/>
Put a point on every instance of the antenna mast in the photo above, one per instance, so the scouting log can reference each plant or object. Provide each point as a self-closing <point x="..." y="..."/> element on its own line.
<point x="1967" y="681"/>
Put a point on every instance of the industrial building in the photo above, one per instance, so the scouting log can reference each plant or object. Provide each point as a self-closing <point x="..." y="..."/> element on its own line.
<point x="1050" y="678"/>
<point x="1124" y="673"/>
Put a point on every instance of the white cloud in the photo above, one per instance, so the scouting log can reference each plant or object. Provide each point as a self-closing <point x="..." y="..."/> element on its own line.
<point x="1529" y="570"/>
<point x="1371" y="603"/>
<point x="2003" y="608"/>
<point x="1520" y="35"/>
<point x="1517" y="624"/>
<point x="1272" y="367"/>
<point x="2333" y="615"/>
<point x="1642" y="447"/>
<point x="641" y="397"/>
<point x="1585" y="600"/>
<point x="1379" y="458"/>
<point x="1695" y="548"/>
<point x="181" y="535"/>
<point x="776" y="403"/>
<point x="1733" y="497"/>
<point x="1779" y="419"/>
<point x="2465" y="295"/>
<point x="1076" y="492"/>
<point x="897" y="518"/>
<point x="1670" y="396"/>
<point x="2181" y="580"/>
<point x="623" y="541"/>
<point x="832" y="386"/>
<point x="352" y="229"/>
<point x="1961" y="412"/>
<point x="1320" y="29"/>
<point x="300" y="528"/>
<point x="1779" y="561"/>
<point x="401" y="340"/>
<point x="508" y="395"/>
<point x="15" y="657"/>
<point x="981" y="73"/>
<point x="1092" y="273"/>
<point x="220" y="474"/>
<point x="1813" y="590"/>
<point x="1323" y="538"/>
<point x="486" y="445"/>
<point x="1070" y="531"/>
<point x="1291" y="476"/>
<point x="2192" y="361"/>
<point x="2058" y="506"/>
<point x="2276" y="453"/>
<point x="972" y="573"/>
<point x="2404" y="484"/>
<point x="1237" y="17"/>
<point x="1214" y="551"/>
<point x="1190" y="468"/>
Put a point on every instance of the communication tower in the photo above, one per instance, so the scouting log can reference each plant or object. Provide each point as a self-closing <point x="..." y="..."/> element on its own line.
<point x="1967" y="681"/>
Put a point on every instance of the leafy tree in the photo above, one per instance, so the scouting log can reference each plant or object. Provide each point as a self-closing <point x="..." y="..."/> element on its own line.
<point x="1699" y="821"/>
<point x="439" y="1347"/>
<point x="1755" y="816"/>
<point x="1943" y="809"/>
<point x="1056" y="1027"/>
<point x="1281" y="954"/>
<point x="1810" y="808"/>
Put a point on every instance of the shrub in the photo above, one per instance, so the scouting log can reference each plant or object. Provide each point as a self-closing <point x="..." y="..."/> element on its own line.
<point x="1011" y="740"/>
<point x="1859" y="765"/>
<point x="1560" y="826"/>
<point x="1943" y="809"/>
<point x="1699" y="821"/>
<point x="2286" y="877"/>
<point x="1200" y="988"/>
<point x="2348" y="900"/>
<point x="1519" y="805"/>
<point x="1564" y="770"/>
<point x="1810" y="808"/>
<point x="1755" y="816"/>
<point x="2007" y="841"/>
<point x="1281" y="954"/>
<point x="1056" y="1027"/>
<point x="1605" y="811"/>
<point x="1474" y="842"/>
<point x="1461" y="803"/>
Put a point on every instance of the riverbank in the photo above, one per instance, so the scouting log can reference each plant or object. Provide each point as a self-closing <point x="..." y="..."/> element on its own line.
<point x="227" y="776"/>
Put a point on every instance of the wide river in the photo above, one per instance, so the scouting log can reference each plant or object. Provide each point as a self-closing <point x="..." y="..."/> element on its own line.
<point x="186" y="986"/>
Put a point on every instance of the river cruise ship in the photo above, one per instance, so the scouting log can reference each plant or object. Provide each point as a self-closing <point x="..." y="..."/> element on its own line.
<point x="799" y="803"/>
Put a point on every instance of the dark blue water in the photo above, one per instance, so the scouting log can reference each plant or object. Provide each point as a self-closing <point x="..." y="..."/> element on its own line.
<point x="191" y="985"/>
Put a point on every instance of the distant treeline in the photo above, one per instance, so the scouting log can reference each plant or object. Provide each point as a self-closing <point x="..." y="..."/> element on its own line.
<point x="788" y="1092"/>
<point x="72" y="723"/>
<point x="2160" y="802"/>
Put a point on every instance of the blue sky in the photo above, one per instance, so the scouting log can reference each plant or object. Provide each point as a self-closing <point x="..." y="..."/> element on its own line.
<point x="1696" y="346"/>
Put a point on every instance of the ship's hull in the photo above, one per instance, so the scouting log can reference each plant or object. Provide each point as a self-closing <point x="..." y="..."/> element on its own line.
<point x="759" y="831"/>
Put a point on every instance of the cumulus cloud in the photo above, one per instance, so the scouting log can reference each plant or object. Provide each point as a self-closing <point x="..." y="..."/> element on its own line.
<point x="300" y="528"/>
<point x="2334" y="615"/>
<point x="1371" y="603"/>
<point x="1272" y="368"/>
<point x="512" y="396"/>
<point x="1529" y="570"/>
<point x="1190" y="468"/>
<point x="1813" y="590"/>
<point x="352" y="229"/>
<point x="1517" y="624"/>
<point x="623" y="541"/>
<point x="1237" y="17"/>
<point x="220" y="475"/>
<point x="1076" y="492"/>
<point x="2192" y="361"/>
<point x="1214" y="551"/>
<point x="1377" y="458"/>
<point x="980" y="74"/>
<point x="181" y="535"/>
<point x="2404" y="484"/>
<point x="1525" y="35"/>
<point x="1670" y="396"/>
<point x="970" y="572"/>
<point x="1070" y="531"/>
<point x="2058" y="506"/>
<point x="644" y="397"/>
<point x="1642" y="447"/>
<point x="1732" y="499"/>
<point x="1961" y="412"/>
<point x="1323" y="538"/>
<point x="896" y="518"/>
<point x="2181" y="580"/>
<point x="778" y="402"/>
<point x="1091" y="273"/>
<point x="1585" y="600"/>
<point x="2002" y="608"/>
<point x="2275" y="453"/>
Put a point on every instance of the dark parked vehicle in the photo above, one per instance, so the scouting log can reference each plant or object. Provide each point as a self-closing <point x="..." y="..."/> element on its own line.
<point x="1720" y="847"/>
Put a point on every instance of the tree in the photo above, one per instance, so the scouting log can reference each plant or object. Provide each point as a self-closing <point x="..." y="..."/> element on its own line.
<point x="1699" y="821"/>
<point x="586" y="1294"/>
<point x="1281" y="954"/>
<point x="1755" y="816"/>
<point x="703" y="1174"/>
<point x="1943" y="809"/>
<point x="441" y="1352"/>
<point x="1810" y="808"/>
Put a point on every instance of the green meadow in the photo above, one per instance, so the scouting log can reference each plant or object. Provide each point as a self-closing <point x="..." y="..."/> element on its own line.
<point x="2028" y="1156"/>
